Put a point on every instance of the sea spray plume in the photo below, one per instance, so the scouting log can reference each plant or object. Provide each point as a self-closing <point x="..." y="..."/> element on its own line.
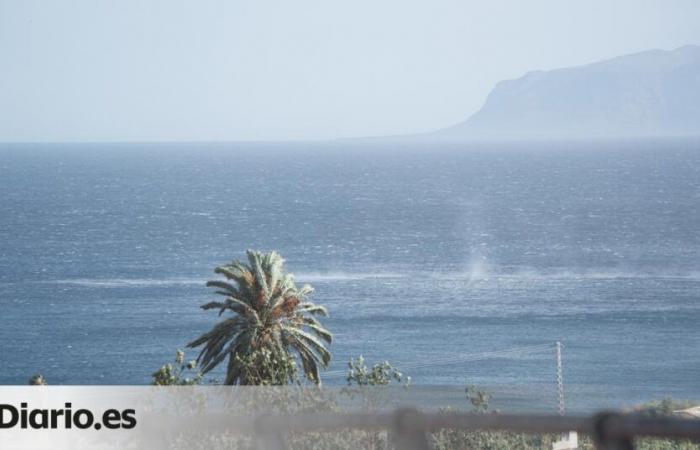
<point x="478" y="267"/>
<point x="272" y="321"/>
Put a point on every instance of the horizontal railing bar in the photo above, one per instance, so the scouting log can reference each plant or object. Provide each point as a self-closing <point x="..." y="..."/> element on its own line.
<point x="661" y="427"/>
<point x="430" y="422"/>
<point x="617" y="425"/>
<point x="510" y="422"/>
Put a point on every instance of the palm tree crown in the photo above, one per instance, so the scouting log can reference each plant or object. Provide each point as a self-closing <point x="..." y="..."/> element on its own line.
<point x="270" y="317"/>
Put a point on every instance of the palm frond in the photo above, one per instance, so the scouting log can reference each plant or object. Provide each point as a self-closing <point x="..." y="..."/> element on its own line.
<point x="213" y="305"/>
<point x="310" y="366"/>
<point x="310" y="342"/>
<point x="321" y="332"/>
<point x="228" y="287"/>
<point x="313" y="309"/>
<point x="254" y="258"/>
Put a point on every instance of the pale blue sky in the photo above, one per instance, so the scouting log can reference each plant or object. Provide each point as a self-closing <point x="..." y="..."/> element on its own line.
<point x="89" y="70"/>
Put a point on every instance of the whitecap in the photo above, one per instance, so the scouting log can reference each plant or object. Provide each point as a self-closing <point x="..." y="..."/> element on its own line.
<point x="343" y="276"/>
<point x="127" y="282"/>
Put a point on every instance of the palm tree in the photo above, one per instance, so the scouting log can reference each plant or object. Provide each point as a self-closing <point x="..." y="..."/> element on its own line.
<point x="271" y="321"/>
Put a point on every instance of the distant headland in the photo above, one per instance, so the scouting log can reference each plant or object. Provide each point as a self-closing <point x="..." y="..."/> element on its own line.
<point x="651" y="93"/>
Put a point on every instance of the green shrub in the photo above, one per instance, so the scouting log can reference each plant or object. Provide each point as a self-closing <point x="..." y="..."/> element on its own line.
<point x="174" y="375"/>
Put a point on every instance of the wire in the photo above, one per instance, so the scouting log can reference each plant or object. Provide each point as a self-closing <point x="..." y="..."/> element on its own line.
<point x="468" y="357"/>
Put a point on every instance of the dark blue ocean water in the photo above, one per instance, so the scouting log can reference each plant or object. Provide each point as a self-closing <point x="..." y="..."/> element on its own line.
<point x="425" y="254"/>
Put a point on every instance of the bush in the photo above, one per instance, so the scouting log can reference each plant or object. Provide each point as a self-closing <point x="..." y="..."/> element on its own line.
<point x="174" y="375"/>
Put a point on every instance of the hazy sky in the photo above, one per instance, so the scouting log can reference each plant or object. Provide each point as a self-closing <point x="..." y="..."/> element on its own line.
<point x="294" y="69"/>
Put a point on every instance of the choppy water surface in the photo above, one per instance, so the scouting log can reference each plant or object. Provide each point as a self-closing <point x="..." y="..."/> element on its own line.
<point x="431" y="256"/>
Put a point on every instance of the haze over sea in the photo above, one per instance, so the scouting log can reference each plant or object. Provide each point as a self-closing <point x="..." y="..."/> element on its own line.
<point x="422" y="252"/>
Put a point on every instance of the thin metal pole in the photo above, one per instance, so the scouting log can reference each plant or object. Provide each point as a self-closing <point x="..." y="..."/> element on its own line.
<point x="560" y="381"/>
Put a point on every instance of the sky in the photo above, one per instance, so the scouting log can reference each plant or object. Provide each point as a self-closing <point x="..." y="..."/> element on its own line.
<point x="172" y="70"/>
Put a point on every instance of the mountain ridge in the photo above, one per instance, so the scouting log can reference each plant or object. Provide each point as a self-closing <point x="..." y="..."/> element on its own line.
<point x="650" y="93"/>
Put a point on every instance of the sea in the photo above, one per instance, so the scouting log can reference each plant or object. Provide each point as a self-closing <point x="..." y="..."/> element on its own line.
<point x="459" y="263"/>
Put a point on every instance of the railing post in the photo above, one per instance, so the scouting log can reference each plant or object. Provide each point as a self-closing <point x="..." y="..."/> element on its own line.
<point x="405" y="431"/>
<point x="603" y="424"/>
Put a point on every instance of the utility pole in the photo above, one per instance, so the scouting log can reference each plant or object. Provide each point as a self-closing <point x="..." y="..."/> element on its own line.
<point x="560" y="382"/>
<point x="568" y="441"/>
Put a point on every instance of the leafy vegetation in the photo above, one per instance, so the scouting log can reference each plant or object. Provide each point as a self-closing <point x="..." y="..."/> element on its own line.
<point x="663" y="408"/>
<point x="38" y="380"/>
<point x="271" y="319"/>
<point x="381" y="374"/>
<point x="478" y="398"/>
<point x="174" y="375"/>
<point x="264" y="368"/>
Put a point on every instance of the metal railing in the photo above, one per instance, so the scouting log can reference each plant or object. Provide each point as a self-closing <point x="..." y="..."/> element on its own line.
<point x="409" y="427"/>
